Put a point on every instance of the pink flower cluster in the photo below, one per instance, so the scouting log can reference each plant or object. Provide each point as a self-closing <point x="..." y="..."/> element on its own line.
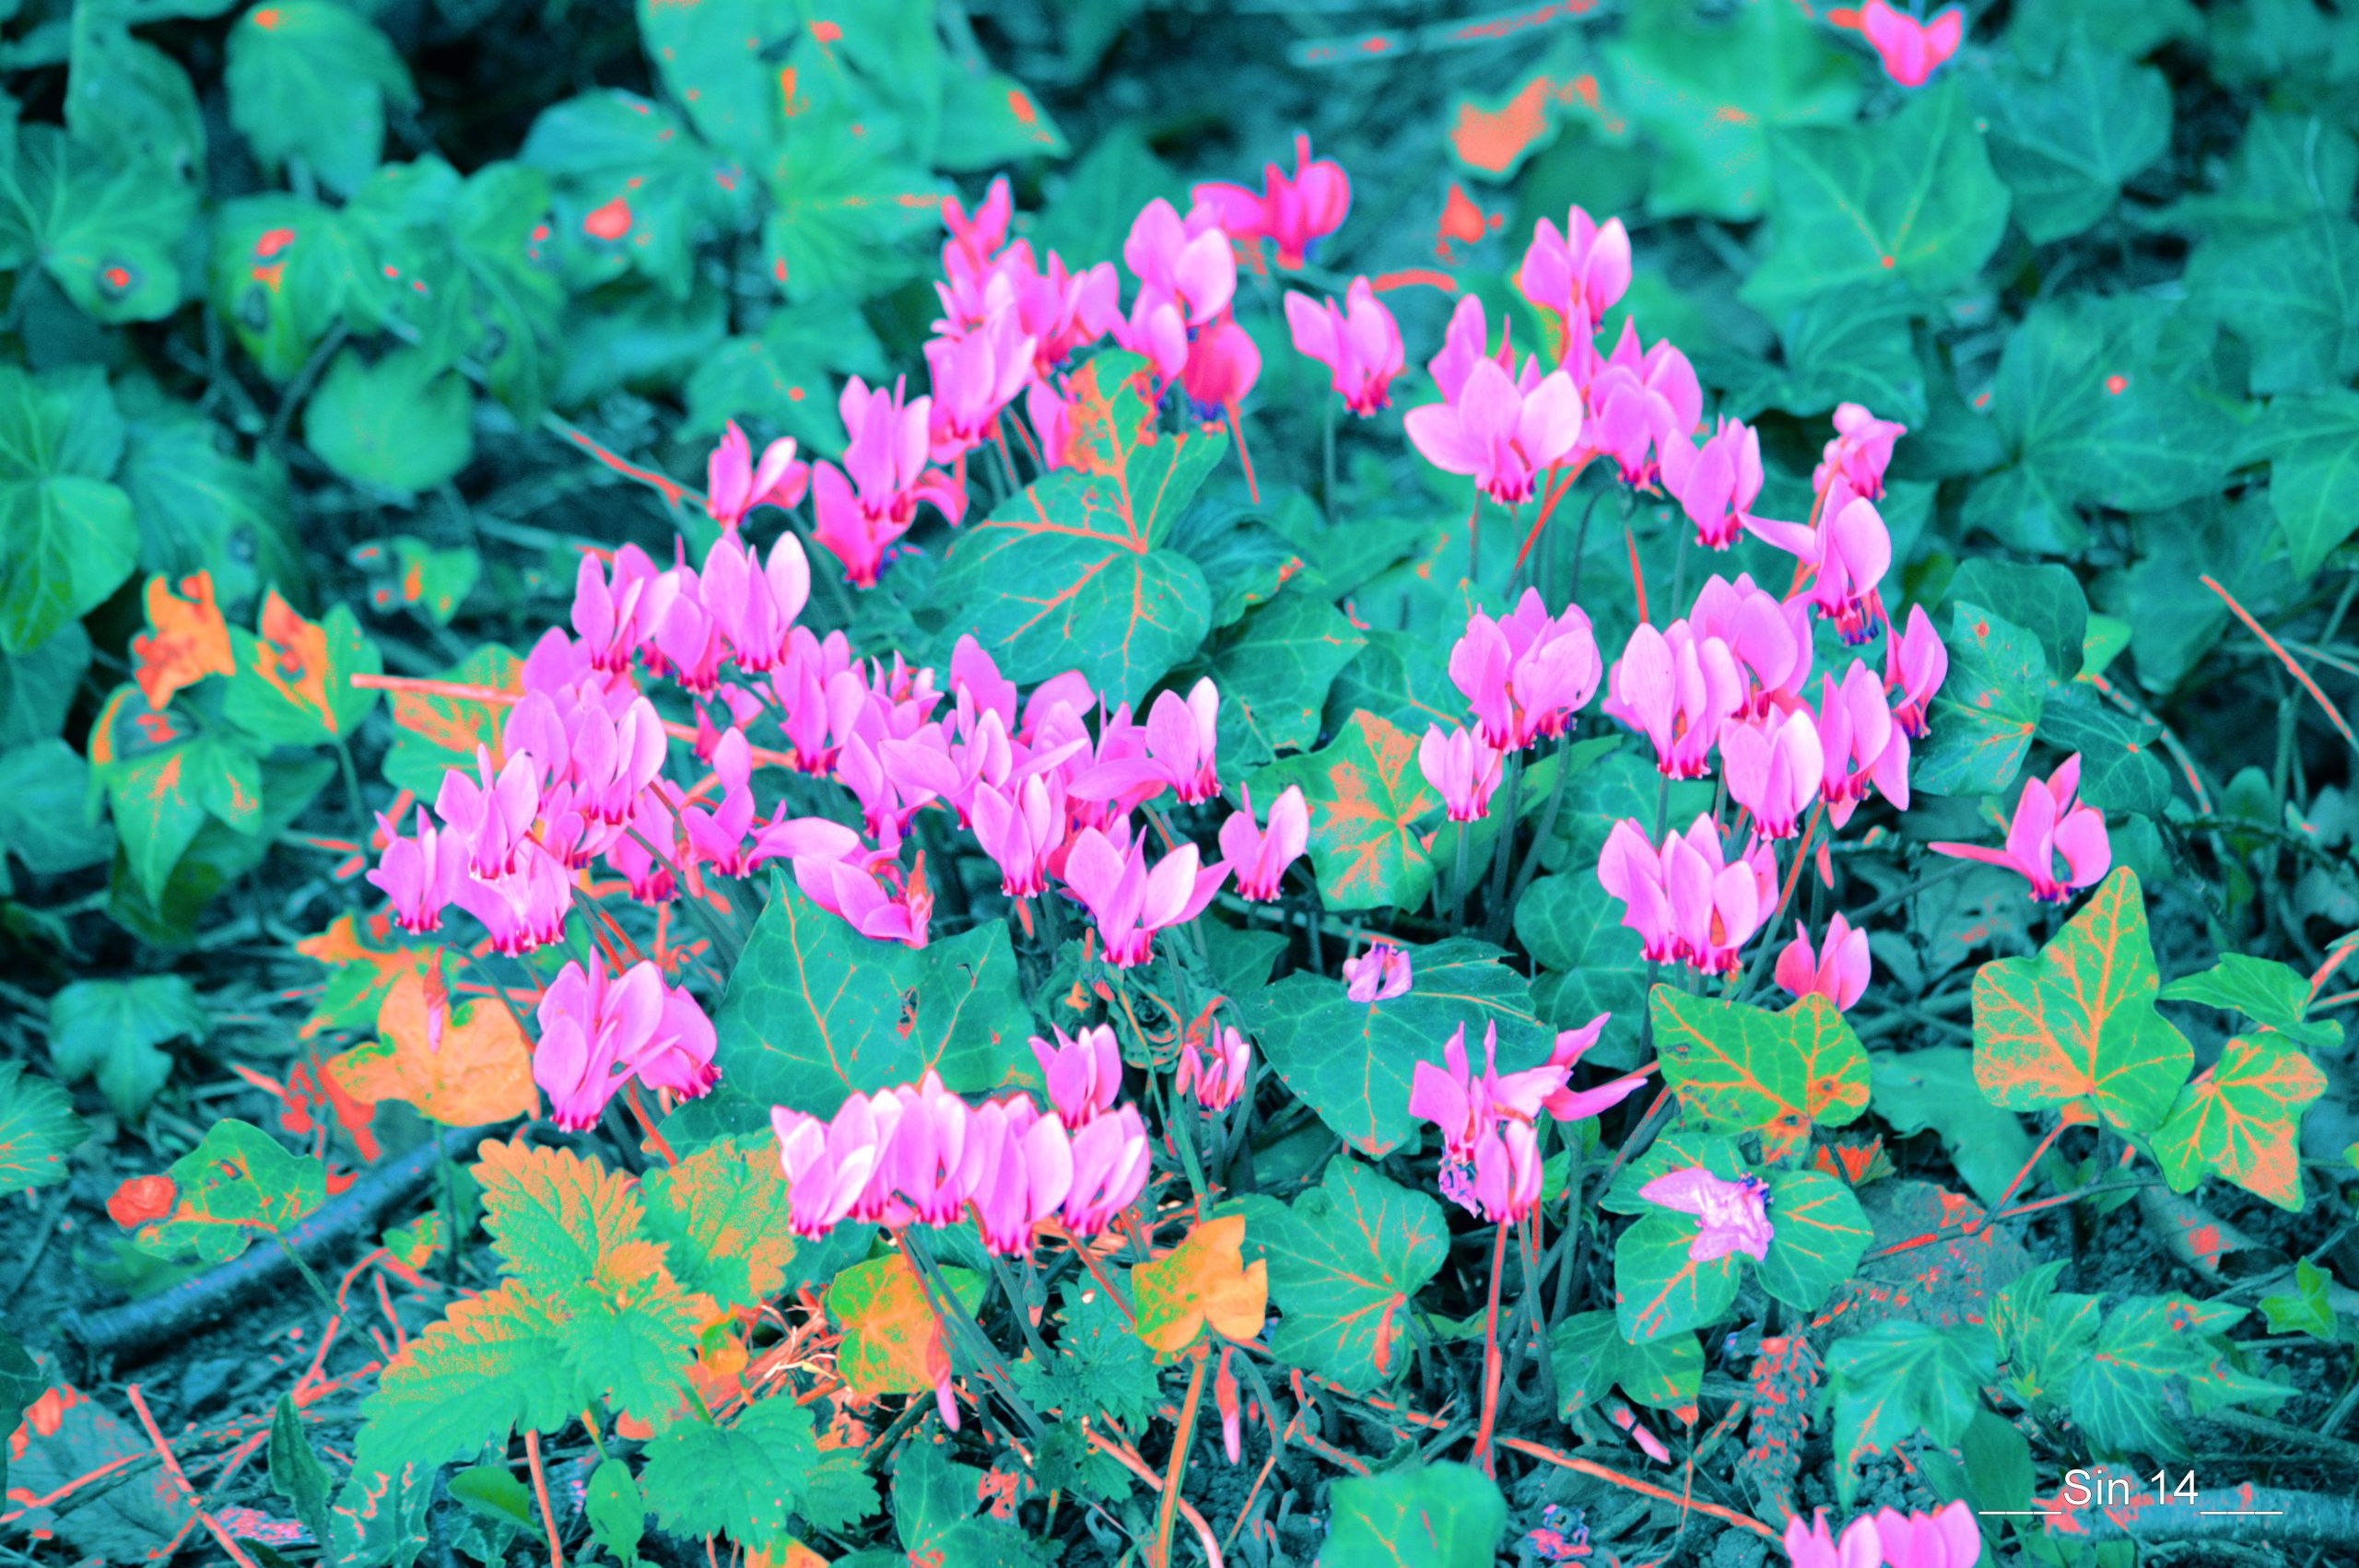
<point x="1689" y="902"/>
<point x="1947" y="1537"/>
<point x="598" y="1033"/>
<point x="1524" y="675"/>
<point x="1490" y="1137"/>
<point x="920" y="1155"/>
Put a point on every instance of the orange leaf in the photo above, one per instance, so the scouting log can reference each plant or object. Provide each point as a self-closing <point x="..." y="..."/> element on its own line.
<point x="892" y="1341"/>
<point x="462" y="1068"/>
<point x="1202" y="1283"/>
<point x="294" y="659"/>
<point x="141" y="1199"/>
<point x="189" y="640"/>
<point x="363" y="974"/>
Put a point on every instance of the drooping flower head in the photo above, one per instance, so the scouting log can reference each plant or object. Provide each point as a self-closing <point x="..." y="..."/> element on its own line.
<point x="734" y="485"/>
<point x="1360" y="345"/>
<point x="1497" y="433"/>
<point x="1293" y="211"/>
<point x="1463" y="768"/>
<point x="1260" y="856"/>
<point x="1578" y="271"/>
<point x="1381" y="973"/>
<point x="1526" y="674"/>
<point x="864" y="508"/>
<point x="1911" y="50"/>
<point x="1730" y="1216"/>
<point x="1838" y="970"/>
<point x="2050" y="826"/>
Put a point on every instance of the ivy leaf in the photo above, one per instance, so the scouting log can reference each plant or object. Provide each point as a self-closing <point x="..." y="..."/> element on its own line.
<point x="1400" y="679"/>
<point x="1347" y="1258"/>
<point x="108" y="234"/>
<point x="2044" y="600"/>
<point x="1077" y="571"/>
<point x="162" y="782"/>
<point x="781" y="377"/>
<point x="1932" y="1090"/>
<point x="1274" y="672"/>
<point x="2241" y="1119"/>
<point x="1911" y="201"/>
<point x="2078" y="1023"/>
<point x="115" y="1029"/>
<point x="2066" y="142"/>
<point x="201" y="508"/>
<point x="2312" y="444"/>
<point x="497" y="1363"/>
<point x="466" y="1066"/>
<point x="433" y="733"/>
<point x="2292" y="294"/>
<point x="39" y="686"/>
<point x="816" y="1011"/>
<point x="294" y="680"/>
<point x="998" y="123"/>
<point x="2153" y="1358"/>
<point x="405" y="423"/>
<point x="44" y="806"/>
<point x="1351" y="1061"/>
<point x="1444" y="1516"/>
<point x="67" y="536"/>
<point x="360" y="975"/>
<point x="1740" y="1068"/>
<point x="38" y="1130"/>
<point x="2272" y="995"/>
<point x="1366" y="795"/>
<point x="1983" y="718"/>
<point x="1838" y="350"/>
<point x="721" y="1214"/>
<point x="1591" y="1358"/>
<point x="892" y="1339"/>
<point x="1202" y="1283"/>
<point x="285" y="268"/>
<point x="933" y="1504"/>
<point x="842" y="209"/>
<point x="235" y="1187"/>
<point x="2119" y="771"/>
<point x="1100" y="1365"/>
<point x="556" y="1219"/>
<point x="635" y="188"/>
<point x="1658" y="1288"/>
<point x="1894" y="1380"/>
<point x="1818" y="1235"/>
<point x="2310" y="1310"/>
<point x="310" y="80"/>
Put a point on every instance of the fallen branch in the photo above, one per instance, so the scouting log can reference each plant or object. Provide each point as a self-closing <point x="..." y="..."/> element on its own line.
<point x="2251" y="1516"/>
<point x="131" y="1333"/>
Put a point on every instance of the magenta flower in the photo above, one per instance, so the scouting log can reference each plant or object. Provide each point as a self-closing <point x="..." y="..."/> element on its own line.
<point x="1730" y="1216"/>
<point x="1083" y="1075"/>
<point x="1641" y="403"/>
<point x="973" y="240"/>
<point x="606" y="612"/>
<point x="1015" y="1170"/>
<point x="754" y="609"/>
<point x="1381" y="973"/>
<point x="1464" y="345"/>
<point x="597" y="1035"/>
<point x="1222" y="366"/>
<point x="1214" y="1073"/>
<point x="975" y="374"/>
<point x="1838" y="970"/>
<point x="2051" y="823"/>
<point x="1860" y="452"/>
<point x="1183" y="263"/>
<point x="1359" y="345"/>
<point x="1129" y="903"/>
<point x="1110" y="1165"/>
<point x="717" y="838"/>
<point x="1860" y="744"/>
<point x="1497" y="433"/>
<point x="842" y="876"/>
<point x="1295" y="211"/>
<point x="1678" y="690"/>
<point x="1463" y="766"/>
<point x="1947" y="1537"/>
<point x="1716" y="485"/>
<point x="868" y="506"/>
<point x="1813" y="1547"/>
<point x="1178" y="749"/>
<point x="1490" y="1151"/>
<point x="1020" y="832"/>
<point x="829" y="1167"/>
<point x="491" y="817"/>
<point x="1260" y="856"/>
<point x="1686" y="900"/>
<point x="1526" y="674"/>
<point x="1847" y="553"/>
<point x="1911" y="50"/>
<point x="1773" y="767"/>
<point x="1579" y="272"/>
<point x="1914" y="664"/>
<point x="734" y="486"/>
<point x="1769" y="639"/>
<point x="1567" y="1103"/>
<point x="419" y="875"/>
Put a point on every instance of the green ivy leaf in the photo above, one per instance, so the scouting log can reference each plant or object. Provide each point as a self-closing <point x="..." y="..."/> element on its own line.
<point x="45" y="810"/>
<point x="1836" y="350"/>
<point x="108" y="234"/>
<point x="1399" y="678"/>
<point x="114" y="1029"/>
<point x="1894" y="1380"/>
<point x="841" y="209"/>
<point x="38" y="1130"/>
<point x="1351" y="1061"/>
<point x="1818" y="1235"/>
<point x="2044" y="600"/>
<point x="784" y="377"/>
<point x="163" y="784"/>
<point x="294" y="683"/>
<point x="1346" y="1259"/>
<point x="1591" y="1357"/>
<point x="2312" y="444"/>
<point x="201" y="508"/>
<point x="2309" y="1310"/>
<point x="1658" y="1288"/>
<point x="405" y="423"/>
<point x="2119" y="771"/>
<point x="1274" y="669"/>
<point x="1077" y="572"/>
<point x="2066" y="141"/>
<point x="1908" y="201"/>
<point x="67" y="536"/>
<point x="998" y="123"/>
<point x="310" y="80"/>
<point x="130" y="103"/>
<point x="2273" y="995"/>
<point x="2291" y="294"/>
<point x="1931" y="1089"/>
<point x="1739" y="1069"/>
<point x="39" y="686"/>
<point x="2078" y="1023"/>
<point x="236" y="1186"/>
<point x="1983" y="718"/>
<point x="1444" y="1516"/>
<point x="2155" y="1361"/>
<point x="285" y="268"/>
<point x="1366" y="796"/>
<point x="635" y="189"/>
<point x="2241" y="1119"/>
<point x="1573" y="930"/>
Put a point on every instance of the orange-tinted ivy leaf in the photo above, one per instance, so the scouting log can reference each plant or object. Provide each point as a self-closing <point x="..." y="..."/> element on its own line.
<point x="467" y="1066"/>
<point x="1740" y="1068"/>
<point x="163" y="778"/>
<point x="1346" y="1260"/>
<point x="1658" y="1288"/>
<point x="1366" y="796"/>
<point x="556" y="1219"/>
<point x="721" y="1213"/>
<point x="892" y="1341"/>
<point x="293" y="684"/>
<point x="415" y="1244"/>
<point x="235" y="1187"/>
<point x="408" y="570"/>
<point x="187" y="639"/>
<point x="38" y="1130"/>
<point x="2078" y="1023"/>
<point x="434" y="733"/>
<point x="2242" y="1118"/>
<point x="1204" y="1283"/>
<point x="68" y="1438"/>
<point x="361" y="972"/>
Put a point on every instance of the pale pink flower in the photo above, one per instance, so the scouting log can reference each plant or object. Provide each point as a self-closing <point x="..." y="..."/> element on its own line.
<point x="606" y="610"/>
<point x="1770" y="638"/>
<point x="1465" y="343"/>
<point x="491" y="817"/>
<point x="1185" y="263"/>
<point x="1838" y="970"/>
<point x="975" y="375"/>
<point x="1381" y="973"/>
<point x="1947" y="1537"/>
<point x="1526" y="674"/>
<point x="1578" y="271"/>
<point x="755" y="609"/>
<point x="734" y="485"/>
<point x="974" y="240"/>
<point x="1847" y="553"/>
<point x="866" y="507"/>
<point x="828" y="1165"/>
<point x="1916" y="663"/>
<point x="1860" y="452"/>
<point x="419" y="875"/>
<point x="1360" y="345"/>
<point x="1180" y="751"/>
<point x="1295" y="211"/>
<point x="1498" y="434"/>
<point x="2051" y="823"/>
<point x="1129" y="903"/>
<point x="1020" y="831"/>
<point x="1911" y="50"/>
<point x="717" y="836"/>
<point x="1015" y="1170"/>
<point x="1640" y="403"/>
<point x="1716" y="485"/>
<point x="1860" y="744"/>
<point x="1084" y="1074"/>
<point x="1109" y="1168"/>
<point x="1731" y="1216"/>
<point x="1214" y="1073"/>
<point x="597" y="1035"/>
<point x="1463" y="766"/>
<point x="1260" y="856"/>
<point x="1686" y="900"/>
<point x="1678" y="690"/>
<point x="1773" y="766"/>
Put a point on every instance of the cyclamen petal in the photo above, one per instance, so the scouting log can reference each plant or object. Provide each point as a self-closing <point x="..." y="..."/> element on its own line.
<point x="1731" y="1216"/>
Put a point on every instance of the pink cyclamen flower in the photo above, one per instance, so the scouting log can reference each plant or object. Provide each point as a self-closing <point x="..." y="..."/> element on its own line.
<point x="754" y="602"/>
<point x="1640" y="405"/>
<point x="1084" y="1074"/>
<point x="1295" y="211"/>
<point x="1947" y="1537"/>
<point x="596" y="1035"/>
<point x="2051" y="823"/>
<point x="1500" y="434"/>
<point x="1769" y="639"/>
<point x="1686" y="900"/>
<point x="1223" y="364"/>
<point x="1914" y="664"/>
<point x="1911" y="50"/>
<point x="1381" y="973"/>
<point x="419" y="875"/>
<point x="1109" y="1167"/>
<point x="1848" y="552"/>
<point x="1213" y="1072"/>
<point x="1579" y="272"/>
<point x="1463" y="766"/>
<point x="1716" y="485"/>
<point x="1179" y="749"/>
<point x="1860" y="452"/>
<point x="1021" y="832"/>
<point x="1860" y="744"/>
<point x="734" y="485"/>
<point x="1567" y="1103"/>
<point x="1838" y="970"/>
<point x="1490" y="1150"/>
<point x="975" y="375"/>
<point x="866" y="507"/>
<point x="828" y="1165"/>
<point x="1730" y="1216"/>
<point x="1679" y="690"/>
<point x="1526" y="674"/>
<point x="1360" y="345"/>
<point x="1129" y="903"/>
<point x="973" y="240"/>
<point x="1260" y="856"/>
<point x="1185" y="263"/>
<point x="1465" y="343"/>
<point x="1815" y="1547"/>
<point x="1773" y="767"/>
<point x="1015" y="1171"/>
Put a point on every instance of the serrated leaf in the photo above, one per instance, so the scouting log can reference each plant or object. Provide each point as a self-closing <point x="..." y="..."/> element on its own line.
<point x="1100" y="1364"/>
<point x="1658" y="1288"/>
<point x="1347" y="1258"/>
<point x="2066" y="142"/>
<point x="1351" y="1061"/>
<point x="2078" y="1023"/>
<point x="495" y="1363"/>
<point x="721" y="1213"/>
<point x="2272" y="995"/>
<point x="1274" y="672"/>
<point x="1444" y="1515"/>
<point x="236" y="1187"/>
<point x="1591" y="1357"/>
<point x="38" y="1130"/>
<point x="1202" y="1283"/>
<point x="405" y="423"/>
<point x="465" y="1065"/>
<point x="2312" y="444"/>
<point x="892" y="1339"/>
<point x="816" y="1011"/>
<point x="1895" y="1380"/>
<point x="2241" y="1119"/>
<point x="115" y="1029"/>
<point x="2150" y="1353"/>
<point x="630" y="1336"/>
<point x="841" y="207"/>
<point x="1739" y="1069"/>
<point x="310" y="80"/>
<point x="1366" y="796"/>
<point x="1983" y="718"/>
<point x="1818" y="1234"/>
<point x="635" y="189"/>
<point x="1077" y="571"/>
<point x="1911" y="201"/>
<point x="556" y="1219"/>
<point x="107" y="233"/>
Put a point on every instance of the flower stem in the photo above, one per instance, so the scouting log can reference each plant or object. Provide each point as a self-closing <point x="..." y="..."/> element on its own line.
<point x="1491" y="1356"/>
<point x="1180" y="1444"/>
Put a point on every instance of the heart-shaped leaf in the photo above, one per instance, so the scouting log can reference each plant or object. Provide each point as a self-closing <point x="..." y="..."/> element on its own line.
<point x="1897" y="1379"/>
<point x="38" y="1130"/>
<point x="1983" y="718"/>
<point x="1818" y="1232"/>
<point x="2241" y="1117"/>
<point x="2312" y="444"/>
<point x="1446" y="1515"/>
<point x="1347" y="1258"/>
<point x="463" y="1066"/>
<point x="1658" y="1288"/>
<point x="893" y="1341"/>
<point x="1202" y="1283"/>
<point x="1591" y="1357"/>
<point x="2065" y="143"/>
<point x="236" y="1187"/>
<point x="1739" y="1069"/>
